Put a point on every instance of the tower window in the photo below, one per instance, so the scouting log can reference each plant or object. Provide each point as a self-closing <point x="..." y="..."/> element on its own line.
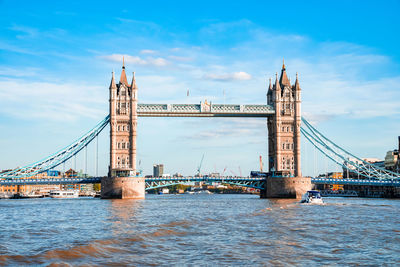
<point x="118" y="128"/>
<point x="123" y="145"/>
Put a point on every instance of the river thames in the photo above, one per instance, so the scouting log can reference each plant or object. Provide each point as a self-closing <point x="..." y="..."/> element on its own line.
<point x="199" y="230"/>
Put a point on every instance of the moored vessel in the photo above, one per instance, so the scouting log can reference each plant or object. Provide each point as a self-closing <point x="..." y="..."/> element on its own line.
<point x="64" y="193"/>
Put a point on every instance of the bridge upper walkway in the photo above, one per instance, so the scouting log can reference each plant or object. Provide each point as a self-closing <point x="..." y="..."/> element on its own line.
<point x="204" y="110"/>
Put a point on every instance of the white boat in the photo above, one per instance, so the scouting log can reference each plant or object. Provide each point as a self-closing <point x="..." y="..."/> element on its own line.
<point x="203" y="192"/>
<point x="64" y="193"/>
<point x="312" y="197"/>
<point x="6" y="195"/>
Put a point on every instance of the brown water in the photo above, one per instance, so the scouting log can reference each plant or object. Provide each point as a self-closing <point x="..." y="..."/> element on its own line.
<point x="199" y="230"/>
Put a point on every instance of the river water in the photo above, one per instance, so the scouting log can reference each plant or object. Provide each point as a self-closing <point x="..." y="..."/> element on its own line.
<point x="199" y="230"/>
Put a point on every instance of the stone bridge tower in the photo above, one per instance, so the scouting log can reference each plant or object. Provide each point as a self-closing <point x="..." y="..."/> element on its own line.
<point x="284" y="127"/>
<point x="122" y="181"/>
<point x="284" y="154"/>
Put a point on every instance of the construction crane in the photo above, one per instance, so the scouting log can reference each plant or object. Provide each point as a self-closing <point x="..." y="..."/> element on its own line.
<point x="224" y="171"/>
<point x="261" y="164"/>
<point x="199" y="168"/>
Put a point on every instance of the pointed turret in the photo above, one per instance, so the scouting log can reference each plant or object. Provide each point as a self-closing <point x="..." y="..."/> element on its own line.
<point x="133" y="84"/>
<point x="112" y="84"/>
<point x="123" y="79"/>
<point x="270" y="85"/>
<point x="284" y="81"/>
<point x="297" y="84"/>
<point x="277" y="86"/>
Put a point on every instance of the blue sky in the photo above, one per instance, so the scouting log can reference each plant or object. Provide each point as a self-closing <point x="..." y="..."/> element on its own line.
<point x="56" y="61"/>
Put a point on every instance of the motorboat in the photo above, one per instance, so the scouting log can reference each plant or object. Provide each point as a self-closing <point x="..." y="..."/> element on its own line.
<point x="64" y="193"/>
<point x="203" y="192"/>
<point x="312" y="197"/>
<point x="6" y="195"/>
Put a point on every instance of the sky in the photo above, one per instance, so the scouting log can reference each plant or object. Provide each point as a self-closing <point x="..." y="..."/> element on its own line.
<point x="56" y="60"/>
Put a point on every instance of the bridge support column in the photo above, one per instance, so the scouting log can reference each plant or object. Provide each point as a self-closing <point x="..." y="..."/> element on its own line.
<point x="286" y="187"/>
<point x="123" y="187"/>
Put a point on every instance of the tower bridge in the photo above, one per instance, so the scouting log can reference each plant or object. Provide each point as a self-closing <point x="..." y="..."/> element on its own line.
<point x="283" y="112"/>
<point x="285" y="126"/>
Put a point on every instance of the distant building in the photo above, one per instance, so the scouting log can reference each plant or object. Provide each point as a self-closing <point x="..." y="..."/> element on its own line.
<point x="158" y="170"/>
<point x="392" y="159"/>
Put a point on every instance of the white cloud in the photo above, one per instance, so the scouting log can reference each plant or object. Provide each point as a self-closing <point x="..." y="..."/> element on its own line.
<point x="150" y="61"/>
<point x="236" y="76"/>
<point x="53" y="101"/>
<point x="147" y="51"/>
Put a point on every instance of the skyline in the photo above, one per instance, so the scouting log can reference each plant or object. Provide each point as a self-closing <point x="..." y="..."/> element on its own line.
<point x="54" y="78"/>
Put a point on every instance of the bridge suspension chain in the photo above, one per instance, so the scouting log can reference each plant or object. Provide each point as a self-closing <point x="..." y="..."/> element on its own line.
<point x="59" y="157"/>
<point x="342" y="157"/>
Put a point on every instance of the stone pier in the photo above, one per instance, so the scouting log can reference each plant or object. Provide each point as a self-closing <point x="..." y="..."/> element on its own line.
<point x="123" y="187"/>
<point x="286" y="187"/>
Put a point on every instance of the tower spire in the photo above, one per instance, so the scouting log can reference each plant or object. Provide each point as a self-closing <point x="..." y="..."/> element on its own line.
<point x="284" y="80"/>
<point x="133" y="84"/>
<point x="112" y="84"/>
<point x="123" y="79"/>
<point x="297" y="84"/>
<point x="277" y="86"/>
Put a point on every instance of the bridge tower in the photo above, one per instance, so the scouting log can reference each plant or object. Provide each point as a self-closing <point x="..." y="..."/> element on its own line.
<point x="122" y="181"/>
<point x="284" y="154"/>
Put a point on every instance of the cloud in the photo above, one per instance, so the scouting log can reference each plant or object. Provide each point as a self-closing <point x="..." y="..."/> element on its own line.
<point x="182" y="59"/>
<point x="50" y="101"/>
<point x="150" y="61"/>
<point x="236" y="76"/>
<point x="147" y="51"/>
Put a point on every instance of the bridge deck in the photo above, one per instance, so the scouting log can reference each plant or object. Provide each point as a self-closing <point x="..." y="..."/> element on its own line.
<point x="155" y="182"/>
<point x="204" y="110"/>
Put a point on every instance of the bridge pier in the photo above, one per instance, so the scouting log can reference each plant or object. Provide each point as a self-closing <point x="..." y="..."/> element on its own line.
<point x="123" y="187"/>
<point x="286" y="187"/>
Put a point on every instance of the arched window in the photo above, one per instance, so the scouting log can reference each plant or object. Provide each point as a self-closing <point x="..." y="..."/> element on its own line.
<point x="283" y="146"/>
<point x="118" y="128"/>
<point x="118" y="145"/>
<point x="123" y="145"/>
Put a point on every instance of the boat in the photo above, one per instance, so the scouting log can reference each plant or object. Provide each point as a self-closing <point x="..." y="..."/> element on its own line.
<point x="64" y="193"/>
<point x="312" y="197"/>
<point x="28" y="195"/>
<point x="6" y="195"/>
<point x="203" y="192"/>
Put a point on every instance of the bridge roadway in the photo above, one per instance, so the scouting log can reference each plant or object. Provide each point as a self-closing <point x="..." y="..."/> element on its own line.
<point x="157" y="182"/>
<point x="204" y="110"/>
